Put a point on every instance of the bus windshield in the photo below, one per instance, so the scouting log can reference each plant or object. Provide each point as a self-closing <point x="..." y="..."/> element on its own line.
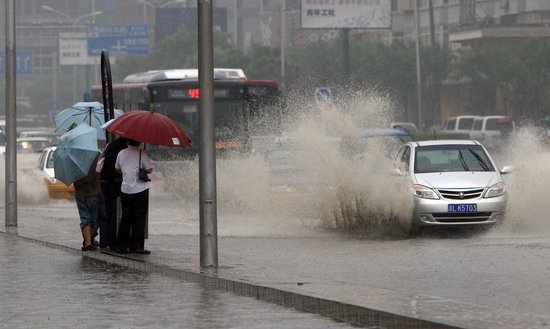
<point x="233" y="112"/>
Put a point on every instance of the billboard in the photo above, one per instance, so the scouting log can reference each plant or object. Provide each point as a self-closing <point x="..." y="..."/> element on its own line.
<point x="349" y="14"/>
<point x="73" y="49"/>
<point x="118" y="40"/>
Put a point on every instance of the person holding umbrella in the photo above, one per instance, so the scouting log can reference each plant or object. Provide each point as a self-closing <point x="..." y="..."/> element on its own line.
<point x="88" y="198"/>
<point x="145" y="127"/>
<point x="75" y="160"/>
<point x="134" y="197"/>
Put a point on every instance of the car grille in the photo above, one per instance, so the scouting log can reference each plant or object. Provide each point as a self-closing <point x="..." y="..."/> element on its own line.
<point x="446" y="217"/>
<point x="461" y="194"/>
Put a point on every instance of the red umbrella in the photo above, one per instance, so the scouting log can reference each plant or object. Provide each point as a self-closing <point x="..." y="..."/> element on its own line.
<point x="149" y="127"/>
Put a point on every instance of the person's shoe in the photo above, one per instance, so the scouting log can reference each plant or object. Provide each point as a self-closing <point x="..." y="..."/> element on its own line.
<point x="142" y="251"/>
<point x="122" y="250"/>
<point x="88" y="248"/>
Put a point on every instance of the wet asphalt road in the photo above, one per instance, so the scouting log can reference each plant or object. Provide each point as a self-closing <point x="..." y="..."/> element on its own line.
<point x="42" y="287"/>
<point x="500" y="273"/>
<point x="501" y="267"/>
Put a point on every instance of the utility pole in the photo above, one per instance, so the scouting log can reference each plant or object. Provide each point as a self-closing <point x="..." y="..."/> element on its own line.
<point x="432" y="23"/>
<point x="11" y="122"/>
<point x="345" y="53"/>
<point x="418" y="76"/>
<point x="283" y="41"/>
<point x="207" y="147"/>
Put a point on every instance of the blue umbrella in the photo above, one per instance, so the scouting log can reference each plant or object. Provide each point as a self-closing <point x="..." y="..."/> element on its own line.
<point x="75" y="154"/>
<point x="90" y="112"/>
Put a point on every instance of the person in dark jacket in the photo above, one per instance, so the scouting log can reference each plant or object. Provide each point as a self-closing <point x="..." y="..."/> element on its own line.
<point x="110" y="184"/>
<point x="88" y="199"/>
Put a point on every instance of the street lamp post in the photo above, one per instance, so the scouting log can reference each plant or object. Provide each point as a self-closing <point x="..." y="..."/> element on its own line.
<point x="93" y="13"/>
<point x="145" y="4"/>
<point x="173" y="2"/>
<point x="418" y="74"/>
<point x="283" y="41"/>
<point x="11" y="122"/>
<point x="48" y="8"/>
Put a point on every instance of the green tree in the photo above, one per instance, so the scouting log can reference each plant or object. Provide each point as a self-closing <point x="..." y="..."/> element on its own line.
<point x="389" y="68"/>
<point x="392" y="69"/>
<point x="180" y="51"/>
<point x="317" y="61"/>
<point x="519" y="72"/>
<point x="262" y="63"/>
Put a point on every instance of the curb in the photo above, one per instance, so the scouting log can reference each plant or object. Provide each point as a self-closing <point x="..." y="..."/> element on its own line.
<point x="341" y="312"/>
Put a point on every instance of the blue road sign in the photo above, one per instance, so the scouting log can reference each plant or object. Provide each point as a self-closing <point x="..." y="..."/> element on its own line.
<point x="118" y="40"/>
<point x="322" y="95"/>
<point x="24" y="62"/>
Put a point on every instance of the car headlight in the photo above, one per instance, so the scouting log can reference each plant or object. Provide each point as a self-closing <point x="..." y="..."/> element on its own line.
<point x="424" y="192"/>
<point x="496" y="190"/>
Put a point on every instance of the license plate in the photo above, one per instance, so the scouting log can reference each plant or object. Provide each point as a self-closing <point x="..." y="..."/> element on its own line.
<point x="463" y="208"/>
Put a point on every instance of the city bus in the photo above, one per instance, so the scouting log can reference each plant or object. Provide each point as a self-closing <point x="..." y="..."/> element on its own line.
<point x="244" y="107"/>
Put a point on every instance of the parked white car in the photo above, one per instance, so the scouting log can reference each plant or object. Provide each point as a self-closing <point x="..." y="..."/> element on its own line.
<point x="460" y="124"/>
<point x="493" y="131"/>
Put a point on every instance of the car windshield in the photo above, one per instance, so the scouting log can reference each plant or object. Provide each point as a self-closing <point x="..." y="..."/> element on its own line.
<point x="438" y="158"/>
<point x="49" y="161"/>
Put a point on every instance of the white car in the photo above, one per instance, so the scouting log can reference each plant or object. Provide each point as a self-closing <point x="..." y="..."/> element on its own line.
<point x="44" y="168"/>
<point x="53" y="137"/>
<point x="453" y="182"/>
<point x="28" y="151"/>
<point x="493" y="131"/>
<point x="460" y="124"/>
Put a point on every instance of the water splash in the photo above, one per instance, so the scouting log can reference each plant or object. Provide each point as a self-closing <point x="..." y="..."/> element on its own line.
<point x="361" y="192"/>
<point x="348" y="193"/>
<point x="30" y="187"/>
<point x="528" y="204"/>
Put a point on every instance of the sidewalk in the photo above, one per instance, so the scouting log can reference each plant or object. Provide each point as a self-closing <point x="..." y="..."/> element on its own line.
<point x="246" y="268"/>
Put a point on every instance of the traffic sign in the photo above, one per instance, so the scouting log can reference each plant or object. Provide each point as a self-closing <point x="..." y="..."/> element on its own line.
<point x="24" y="62"/>
<point x="73" y="49"/>
<point x="322" y="95"/>
<point x="118" y="40"/>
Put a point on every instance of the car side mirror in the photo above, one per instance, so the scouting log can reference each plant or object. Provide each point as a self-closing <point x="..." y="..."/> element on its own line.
<point x="506" y="170"/>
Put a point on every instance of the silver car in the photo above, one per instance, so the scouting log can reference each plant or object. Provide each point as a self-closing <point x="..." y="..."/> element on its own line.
<point x="454" y="182"/>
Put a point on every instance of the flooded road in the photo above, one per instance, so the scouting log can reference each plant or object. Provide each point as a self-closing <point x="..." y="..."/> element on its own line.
<point x="41" y="287"/>
<point x="502" y="269"/>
